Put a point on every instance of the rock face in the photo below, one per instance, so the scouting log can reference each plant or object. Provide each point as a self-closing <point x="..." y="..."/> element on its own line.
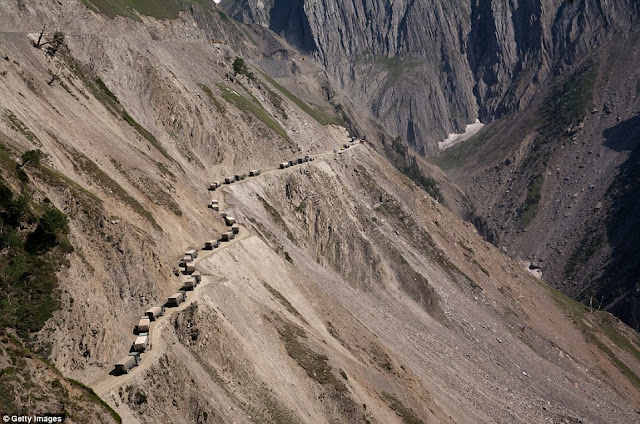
<point x="349" y="295"/>
<point x="426" y="68"/>
<point x="556" y="183"/>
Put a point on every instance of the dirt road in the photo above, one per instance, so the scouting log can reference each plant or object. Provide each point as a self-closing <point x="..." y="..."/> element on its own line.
<point x="157" y="347"/>
<point x="103" y="385"/>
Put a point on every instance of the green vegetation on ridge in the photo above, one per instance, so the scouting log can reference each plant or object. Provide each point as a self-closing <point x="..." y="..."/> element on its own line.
<point x="161" y="9"/>
<point x="321" y="118"/>
<point x="32" y="385"/>
<point x="33" y="247"/>
<point x="599" y="325"/>
<point x="406" y="163"/>
<point x="252" y="107"/>
<point x="100" y="91"/>
<point x="566" y="105"/>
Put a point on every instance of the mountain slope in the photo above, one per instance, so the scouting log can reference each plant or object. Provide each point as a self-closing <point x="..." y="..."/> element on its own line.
<point x="350" y="295"/>
<point x="554" y="185"/>
<point x="427" y="69"/>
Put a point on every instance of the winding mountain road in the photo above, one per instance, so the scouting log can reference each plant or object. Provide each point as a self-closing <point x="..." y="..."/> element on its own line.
<point x="157" y="346"/>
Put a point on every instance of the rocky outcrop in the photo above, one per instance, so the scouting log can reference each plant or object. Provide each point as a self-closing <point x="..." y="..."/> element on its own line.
<point x="426" y="69"/>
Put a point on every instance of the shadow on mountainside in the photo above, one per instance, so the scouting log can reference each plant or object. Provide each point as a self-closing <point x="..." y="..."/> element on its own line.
<point x="619" y="284"/>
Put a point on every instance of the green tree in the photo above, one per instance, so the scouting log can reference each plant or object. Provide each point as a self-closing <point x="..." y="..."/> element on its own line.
<point x="51" y="225"/>
<point x="239" y="66"/>
<point x="31" y="157"/>
<point x="54" y="222"/>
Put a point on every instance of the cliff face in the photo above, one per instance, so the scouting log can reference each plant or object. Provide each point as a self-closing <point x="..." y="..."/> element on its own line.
<point x="349" y="295"/>
<point x="556" y="183"/>
<point x="425" y="69"/>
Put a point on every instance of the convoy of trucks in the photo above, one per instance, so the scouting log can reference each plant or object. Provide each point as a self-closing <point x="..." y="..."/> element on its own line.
<point x="124" y="365"/>
<point x="142" y="329"/>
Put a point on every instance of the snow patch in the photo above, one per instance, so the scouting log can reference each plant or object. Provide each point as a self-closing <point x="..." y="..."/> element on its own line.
<point x="453" y="139"/>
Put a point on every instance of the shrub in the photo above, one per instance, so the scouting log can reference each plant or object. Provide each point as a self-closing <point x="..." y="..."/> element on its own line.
<point x="32" y="157"/>
<point x="239" y="66"/>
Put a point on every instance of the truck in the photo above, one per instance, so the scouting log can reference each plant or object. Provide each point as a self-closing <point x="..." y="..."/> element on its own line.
<point x="211" y="244"/>
<point x="155" y="312"/>
<point x="189" y="268"/>
<point x="228" y="236"/>
<point x="229" y="220"/>
<point x="255" y="172"/>
<point x="189" y="284"/>
<point x="235" y="228"/>
<point x="143" y="325"/>
<point x="141" y="343"/>
<point x="124" y="365"/>
<point x="197" y="275"/>
<point x="192" y="252"/>
<point x="176" y="299"/>
<point x="229" y="180"/>
<point x="284" y="165"/>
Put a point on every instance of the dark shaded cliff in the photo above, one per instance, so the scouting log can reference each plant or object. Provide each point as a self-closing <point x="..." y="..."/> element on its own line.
<point x="426" y="69"/>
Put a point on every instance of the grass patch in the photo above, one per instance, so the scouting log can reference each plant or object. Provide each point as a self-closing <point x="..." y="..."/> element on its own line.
<point x="395" y="66"/>
<point x="83" y="164"/>
<point x="621" y="365"/>
<point x="95" y="398"/>
<point x="17" y="125"/>
<point x="161" y="9"/>
<point x="212" y="98"/>
<point x="532" y="201"/>
<point x="33" y="247"/>
<point x="252" y="107"/>
<point x="146" y="134"/>
<point x="101" y="92"/>
<point x="276" y="217"/>
<point x="149" y="187"/>
<point x="461" y="153"/>
<point x="569" y="101"/>
<point x="283" y="300"/>
<point x="45" y="385"/>
<point x="315" y="364"/>
<point x="406" y="163"/>
<point x="567" y="104"/>
<point x="321" y="118"/>
<point x="276" y="100"/>
<point x="576" y="311"/>
<point x="56" y="179"/>
<point x="407" y="414"/>
<point x="587" y="247"/>
<point x="618" y="339"/>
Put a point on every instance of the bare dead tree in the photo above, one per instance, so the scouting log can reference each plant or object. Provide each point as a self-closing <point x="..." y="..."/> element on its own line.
<point x="54" y="77"/>
<point x="37" y="43"/>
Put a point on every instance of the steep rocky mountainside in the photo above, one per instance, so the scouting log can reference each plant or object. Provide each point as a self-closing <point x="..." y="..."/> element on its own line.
<point x="426" y="69"/>
<point x="349" y="295"/>
<point x="32" y="386"/>
<point x="556" y="184"/>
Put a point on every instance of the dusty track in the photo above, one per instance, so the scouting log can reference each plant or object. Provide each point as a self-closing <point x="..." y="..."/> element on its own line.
<point x="157" y="346"/>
